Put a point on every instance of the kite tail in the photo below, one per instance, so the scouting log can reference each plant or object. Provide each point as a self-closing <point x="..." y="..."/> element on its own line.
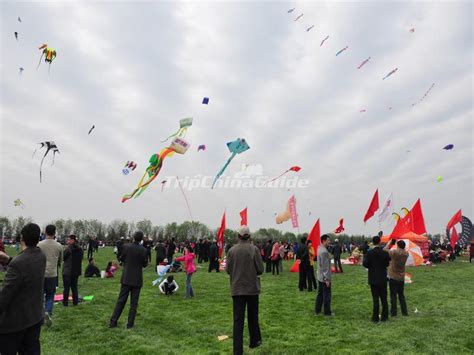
<point x="223" y="168"/>
<point x="279" y="176"/>
<point x="173" y="135"/>
<point x="40" y="61"/>
<point x="185" y="198"/>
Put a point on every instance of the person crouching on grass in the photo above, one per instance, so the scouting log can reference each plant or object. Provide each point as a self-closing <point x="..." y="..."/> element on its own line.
<point x="168" y="286"/>
<point x="190" y="267"/>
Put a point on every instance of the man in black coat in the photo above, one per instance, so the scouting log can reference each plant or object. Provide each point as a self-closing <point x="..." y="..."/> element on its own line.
<point x="268" y="256"/>
<point x="72" y="269"/>
<point x="336" y="252"/>
<point x="171" y="251"/>
<point x="160" y="252"/>
<point x="21" y="297"/>
<point x="303" y="256"/>
<point x="214" y="257"/>
<point x="134" y="259"/>
<point x="377" y="261"/>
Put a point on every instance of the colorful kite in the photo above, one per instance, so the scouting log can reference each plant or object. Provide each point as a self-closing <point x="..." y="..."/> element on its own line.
<point x="392" y="72"/>
<point x="178" y="145"/>
<point x="205" y="101"/>
<point x="340" y="229"/>
<point x="18" y="203"/>
<point x="300" y="16"/>
<point x="293" y="168"/>
<point x="93" y="126"/>
<point x="291" y="10"/>
<point x="424" y="96"/>
<point x="235" y="147"/>
<point x="129" y="166"/>
<point x="202" y="147"/>
<point x="49" y="55"/>
<point x="342" y="50"/>
<point x="363" y="63"/>
<point x="184" y="124"/>
<point x="50" y="146"/>
<point x="16" y="35"/>
<point x="309" y="28"/>
<point x="324" y="40"/>
<point x="449" y="147"/>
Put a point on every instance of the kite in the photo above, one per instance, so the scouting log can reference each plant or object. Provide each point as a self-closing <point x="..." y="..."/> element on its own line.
<point x="161" y="270"/>
<point x="424" y="96"/>
<point x="49" y="55"/>
<point x="449" y="147"/>
<point x="183" y="128"/>
<point x="163" y="185"/>
<point x="20" y="70"/>
<point x="235" y="147"/>
<point x="390" y="108"/>
<point x="19" y="19"/>
<point x="185" y="198"/>
<point x="291" y="10"/>
<point x="129" y="166"/>
<point x="290" y="212"/>
<point x="202" y="147"/>
<point x="300" y="16"/>
<point x="18" y="203"/>
<point x="412" y="30"/>
<point x="16" y="36"/>
<point x="324" y="40"/>
<point x="363" y="110"/>
<point x="363" y="63"/>
<point x="178" y="145"/>
<point x="293" y="168"/>
<point x="50" y="146"/>
<point x="205" y="101"/>
<point x="439" y="179"/>
<point x="93" y="126"/>
<point x="392" y="72"/>
<point x="309" y="28"/>
<point x="340" y="229"/>
<point x="342" y="50"/>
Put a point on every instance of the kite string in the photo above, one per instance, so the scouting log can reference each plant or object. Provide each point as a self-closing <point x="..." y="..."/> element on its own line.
<point x="185" y="198"/>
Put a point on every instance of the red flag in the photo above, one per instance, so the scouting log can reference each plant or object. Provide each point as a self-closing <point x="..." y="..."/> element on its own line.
<point x="418" y="220"/>
<point x="220" y="236"/>
<point x="455" y="219"/>
<point x="315" y="236"/>
<point x="243" y="217"/>
<point x="454" y="238"/>
<point x="412" y="222"/>
<point x="374" y="206"/>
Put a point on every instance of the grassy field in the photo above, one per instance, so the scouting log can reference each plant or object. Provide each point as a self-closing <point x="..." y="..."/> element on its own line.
<point x="443" y="295"/>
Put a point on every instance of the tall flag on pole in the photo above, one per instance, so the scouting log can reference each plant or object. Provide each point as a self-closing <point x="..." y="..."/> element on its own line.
<point x="455" y="219"/>
<point x="387" y="209"/>
<point x="243" y="217"/>
<point x="454" y="238"/>
<point x="374" y="206"/>
<point x="220" y="236"/>
<point x="294" y="215"/>
<point x="315" y="236"/>
<point x="412" y="222"/>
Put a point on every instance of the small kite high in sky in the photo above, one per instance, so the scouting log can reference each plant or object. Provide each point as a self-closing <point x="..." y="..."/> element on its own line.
<point x="205" y="101"/>
<point x="202" y="147"/>
<point x="449" y="147"/>
<point x="363" y="110"/>
<point x="291" y="10"/>
<point x="363" y="63"/>
<point x="235" y="147"/>
<point x="293" y="168"/>
<point x="18" y="203"/>
<point x="19" y="19"/>
<point x="129" y="166"/>
<point x="340" y="229"/>
<point x="342" y="50"/>
<point x="412" y="30"/>
<point x="20" y="70"/>
<point x="439" y="179"/>
<point x="16" y="35"/>
<point x="424" y="96"/>
<point x="324" y="40"/>
<point x="391" y="73"/>
<point x="309" y="28"/>
<point x="93" y="126"/>
<point x="184" y="124"/>
<point x="300" y="16"/>
<point x="50" y="146"/>
<point x="49" y="55"/>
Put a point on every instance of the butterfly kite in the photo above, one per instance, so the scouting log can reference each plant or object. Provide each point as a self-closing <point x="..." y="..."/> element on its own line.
<point x="202" y="147"/>
<point x="18" y="203"/>
<point x="363" y="63"/>
<point x="342" y="50"/>
<point x="391" y="73"/>
<point x="49" y="55"/>
<point x="235" y="147"/>
<point x="184" y="124"/>
<point x="178" y="145"/>
<point x="293" y="168"/>
<point x="340" y="229"/>
<point x="50" y="146"/>
<point x="449" y="147"/>
<point x="324" y="40"/>
<point x="129" y="166"/>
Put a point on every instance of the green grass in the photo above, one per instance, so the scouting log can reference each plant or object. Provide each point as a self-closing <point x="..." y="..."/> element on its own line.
<point x="444" y="296"/>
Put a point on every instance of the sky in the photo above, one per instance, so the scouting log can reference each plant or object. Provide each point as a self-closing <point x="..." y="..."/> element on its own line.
<point x="134" y="69"/>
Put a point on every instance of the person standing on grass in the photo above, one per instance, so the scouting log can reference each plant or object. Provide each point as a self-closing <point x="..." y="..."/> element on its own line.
<point x="303" y="256"/>
<point x="54" y="252"/>
<point x="244" y="265"/>
<point x="171" y="251"/>
<point x="90" y="248"/>
<point x="160" y="252"/>
<point x="324" y="277"/>
<point x="214" y="257"/>
<point x="72" y="269"/>
<point x="336" y="252"/>
<point x="134" y="259"/>
<point x="268" y="256"/>
<point x="311" y="278"/>
<point x="275" y="257"/>
<point x="377" y="261"/>
<point x="396" y="274"/>
<point x="22" y="297"/>
<point x="190" y="267"/>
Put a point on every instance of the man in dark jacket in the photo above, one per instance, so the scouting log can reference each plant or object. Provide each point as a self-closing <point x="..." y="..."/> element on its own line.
<point x="160" y="252"/>
<point x="244" y="265"/>
<point x="134" y="259"/>
<point x="171" y="251"/>
<point x="22" y="298"/>
<point x="336" y="252"/>
<point x="214" y="257"/>
<point x="303" y="256"/>
<point x="377" y="261"/>
<point x="268" y="256"/>
<point x="72" y="269"/>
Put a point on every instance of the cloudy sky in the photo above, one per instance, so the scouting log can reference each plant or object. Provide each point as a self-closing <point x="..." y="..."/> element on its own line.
<point x="135" y="69"/>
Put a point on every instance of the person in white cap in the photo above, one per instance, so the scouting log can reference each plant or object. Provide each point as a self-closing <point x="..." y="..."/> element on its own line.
<point x="244" y="265"/>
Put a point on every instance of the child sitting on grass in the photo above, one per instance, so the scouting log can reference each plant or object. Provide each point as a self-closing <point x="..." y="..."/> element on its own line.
<point x="169" y="286"/>
<point x="111" y="269"/>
